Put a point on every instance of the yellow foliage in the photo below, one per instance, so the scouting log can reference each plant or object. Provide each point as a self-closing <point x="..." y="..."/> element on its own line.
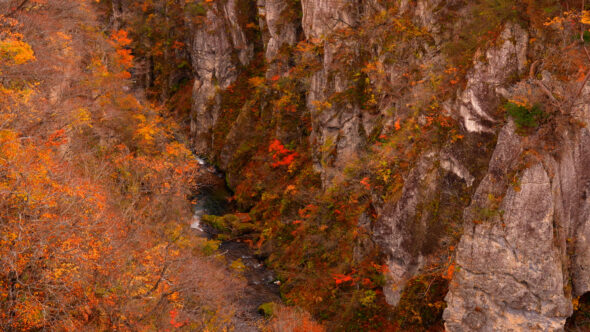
<point x="520" y="101"/>
<point x="146" y="131"/>
<point x="257" y="81"/>
<point x="15" y="52"/>
<point x="9" y="145"/>
<point x="82" y="119"/>
<point x="176" y="149"/>
<point x="321" y="105"/>
<point x="238" y="265"/>
<point x="576" y="303"/>
<point x="556" y="21"/>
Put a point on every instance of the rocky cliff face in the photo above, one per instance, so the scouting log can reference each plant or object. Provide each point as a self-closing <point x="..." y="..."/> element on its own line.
<point x="279" y="26"/>
<point x="218" y="47"/>
<point x="509" y="207"/>
<point x="336" y="128"/>
<point x="520" y="268"/>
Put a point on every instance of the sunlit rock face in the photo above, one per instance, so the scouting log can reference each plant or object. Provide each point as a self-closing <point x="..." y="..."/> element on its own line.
<point x="505" y="282"/>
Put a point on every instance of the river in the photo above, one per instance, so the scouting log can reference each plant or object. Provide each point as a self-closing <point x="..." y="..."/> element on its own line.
<point x="262" y="285"/>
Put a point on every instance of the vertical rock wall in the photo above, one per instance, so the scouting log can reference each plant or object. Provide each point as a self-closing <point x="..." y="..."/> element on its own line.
<point x="218" y="48"/>
<point x="336" y="128"/>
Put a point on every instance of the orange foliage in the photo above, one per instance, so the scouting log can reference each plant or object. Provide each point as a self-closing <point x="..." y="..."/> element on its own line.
<point x="450" y="271"/>
<point x="281" y="155"/>
<point x="342" y="278"/>
<point x="120" y="38"/>
<point x="94" y="190"/>
<point x="125" y="58"/>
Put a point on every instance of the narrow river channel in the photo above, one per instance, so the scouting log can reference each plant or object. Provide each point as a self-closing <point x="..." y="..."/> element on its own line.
<point x="262" y="285"/>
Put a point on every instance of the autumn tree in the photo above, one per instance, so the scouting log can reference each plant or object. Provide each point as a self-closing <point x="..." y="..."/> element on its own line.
<point x="94" y="187"/>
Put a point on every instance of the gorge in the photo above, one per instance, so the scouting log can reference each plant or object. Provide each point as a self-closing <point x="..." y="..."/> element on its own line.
<point x="399" y="165"/>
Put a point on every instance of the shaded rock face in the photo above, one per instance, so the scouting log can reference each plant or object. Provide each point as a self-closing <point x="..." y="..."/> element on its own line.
<point x="577" y="208"/>
<point x="401" y="233"/>
<point x="571" y="193"/>
<point x="408" y="230"/>
<point x="218" y="47"/>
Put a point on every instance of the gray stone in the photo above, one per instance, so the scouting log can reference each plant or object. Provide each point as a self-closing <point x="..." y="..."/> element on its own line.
<point x="479" y="100"/>
<point x="212" y="48"/>
<point x="510" y="272"/>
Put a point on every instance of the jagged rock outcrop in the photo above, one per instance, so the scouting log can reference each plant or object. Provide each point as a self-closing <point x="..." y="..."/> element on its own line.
<point x="518" y="260"/>
<point x="401" y="233"/>
<point x="402" y="229"/>
<point x="491" y="252"/>
<point x="504" y="282"/>
<point x="279" y="23"/>
<point x="523" y="259"/>
<point x="479" y="101"/>
<point x="408" y="230"/>
<point x="218" y="47"/>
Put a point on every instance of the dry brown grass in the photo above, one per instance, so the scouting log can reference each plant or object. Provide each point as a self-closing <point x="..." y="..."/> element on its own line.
<point x="289" y="319"/>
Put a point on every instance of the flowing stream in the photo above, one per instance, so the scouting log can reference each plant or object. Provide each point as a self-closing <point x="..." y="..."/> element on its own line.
<point x="261" y="286"/>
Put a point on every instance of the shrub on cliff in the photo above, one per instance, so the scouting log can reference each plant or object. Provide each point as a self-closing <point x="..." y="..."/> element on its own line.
<point x="525" y="117"/>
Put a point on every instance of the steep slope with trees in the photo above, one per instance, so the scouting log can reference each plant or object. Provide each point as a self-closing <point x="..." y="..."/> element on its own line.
<point x="95" y="187"/>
